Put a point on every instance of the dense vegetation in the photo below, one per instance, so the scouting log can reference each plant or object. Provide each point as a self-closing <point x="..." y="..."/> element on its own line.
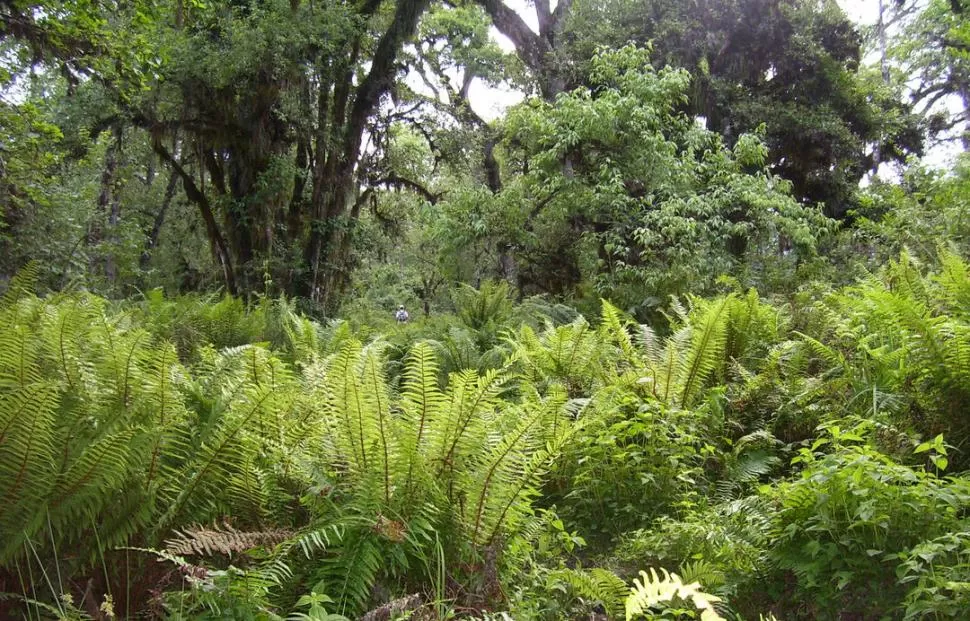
<point x="689" y="330"/>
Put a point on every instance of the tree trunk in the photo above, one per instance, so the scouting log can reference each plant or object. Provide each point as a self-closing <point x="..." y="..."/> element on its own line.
<point x="152" y="240"/>
<point x="334" y="205"/>
<point x="217" y="243"/>
<point x="102" y="229"/>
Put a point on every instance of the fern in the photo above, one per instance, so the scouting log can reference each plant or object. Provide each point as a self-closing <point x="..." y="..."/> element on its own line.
<point x="201" y="541"/>
<point x="615" y="329"/>
<point x="705" y="353"/>
<point x="26" y="452"/>
<point x="569" y="355"/>
<point x="653" y="590"/>
<point x="113" y="435"/>
<point x="594" y="585"/>
<point x="422" y="405"/>
<point x="22" y="285"/>
<point x="351" y="576"/>
<point x="191" y="483"/>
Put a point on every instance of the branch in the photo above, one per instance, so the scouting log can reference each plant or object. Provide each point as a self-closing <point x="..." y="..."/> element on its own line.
<point x="530" y="46"/>
<point x="192" y="191"/>
<point x="152" y="241"/>
<point x="383" y="67"/>
<point x="216" y="172"/>
<point x="544" y="17"/>
<point x="397" y="180"/>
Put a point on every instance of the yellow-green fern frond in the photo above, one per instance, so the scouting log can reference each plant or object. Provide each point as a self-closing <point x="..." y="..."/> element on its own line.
<point x="653" y="591"/>
<point x="615" y="329"/>
<point x="708" y="338"/>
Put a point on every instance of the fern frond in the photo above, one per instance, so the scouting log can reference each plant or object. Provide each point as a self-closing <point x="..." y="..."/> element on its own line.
<point x="192" y="484"/>
<point x="421" y="397"/>
<point x="615" y="329"/>
<point x="470" y="400"/>
<point x="954" y="279"/>
<point x="22" y="285"/>
<point x="706" y="351"/>
<point x="26" y="457"/>
<point x="347" y="406"/>
<point x="422" y="405"/>
<point x="91" y="481"/>
<point x="594" y="585"/>
<point x="376" y="406"/>
<point x="351" y="576"/>
<point x="653" y="590"/>
<point x="509" y="472"/>
<point x="702" y="572"/>
<point x="202" y="541"/>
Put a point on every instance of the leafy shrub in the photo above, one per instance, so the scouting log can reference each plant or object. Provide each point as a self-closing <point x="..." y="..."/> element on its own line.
<point x="842" y="525"/>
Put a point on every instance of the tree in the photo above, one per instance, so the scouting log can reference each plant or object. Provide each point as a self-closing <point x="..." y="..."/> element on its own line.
<point x="274" y="101"/>
<point x="794" y="66"/>
<point x="617" y="188"/>
<point x="929" y="52"/>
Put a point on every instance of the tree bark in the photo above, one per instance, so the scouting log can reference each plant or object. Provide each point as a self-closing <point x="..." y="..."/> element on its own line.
<point x="534" y="49"/>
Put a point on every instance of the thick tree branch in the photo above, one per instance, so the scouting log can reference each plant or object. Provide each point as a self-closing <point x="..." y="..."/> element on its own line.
<point x="383" y="67"/>
<point x="543" y="17"/>
<point x="397" y="180"/>
<point x="530" y="47"/>
<point x="216" y="241"/>
<point x="216" y="171"/>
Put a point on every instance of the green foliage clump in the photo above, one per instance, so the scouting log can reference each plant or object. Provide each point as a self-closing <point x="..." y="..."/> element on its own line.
<point x="843" y="525"/>
<point x="112" y="447"/>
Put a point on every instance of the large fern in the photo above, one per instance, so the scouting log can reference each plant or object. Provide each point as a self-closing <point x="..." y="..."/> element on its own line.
<point x="678" y="371"/>
<point x="460" y="459"/>
<point x="107" y="440"/>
